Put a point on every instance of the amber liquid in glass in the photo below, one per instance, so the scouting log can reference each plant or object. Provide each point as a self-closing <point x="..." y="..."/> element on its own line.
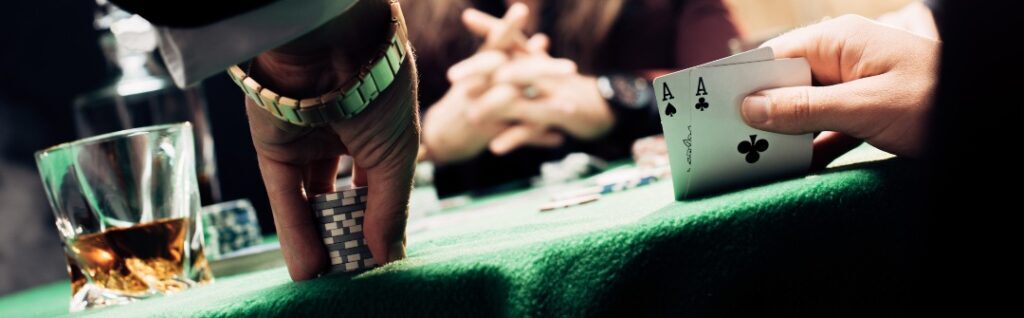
<point x="138" y="260"/>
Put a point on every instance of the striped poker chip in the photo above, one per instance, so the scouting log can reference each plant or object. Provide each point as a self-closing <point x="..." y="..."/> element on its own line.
<point x="228" y="227"/>
<point x="342" y="259"/>
<point x="332" y="211"/>
<point x="341" y="216"/>
<point x="356" y="266"/>
<point x="343" y="192"/>
<point x="342" y="224"/>
<point x="341" y="252"/>
<point x="338" y="232"/>
<point x="360" y="200"/>
<point x="344" y="241"/>
<point x="334" y="239"/>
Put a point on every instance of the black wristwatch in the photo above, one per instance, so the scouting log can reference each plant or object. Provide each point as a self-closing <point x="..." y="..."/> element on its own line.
<point x="625" y="92"/>
<point x="631" y="100"/>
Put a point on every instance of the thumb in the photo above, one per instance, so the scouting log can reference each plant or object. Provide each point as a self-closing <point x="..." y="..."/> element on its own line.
<point x="848" y="108"/>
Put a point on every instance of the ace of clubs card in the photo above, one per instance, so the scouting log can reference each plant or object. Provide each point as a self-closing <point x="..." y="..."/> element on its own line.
<point x="710" y="147"/>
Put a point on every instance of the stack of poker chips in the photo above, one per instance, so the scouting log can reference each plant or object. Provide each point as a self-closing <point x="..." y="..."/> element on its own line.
<point x="340" y="222"/>
<point x="228" y="227"/>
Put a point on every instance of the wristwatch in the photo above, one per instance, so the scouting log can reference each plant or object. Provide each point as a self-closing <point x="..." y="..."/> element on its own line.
<point x="625" y="92"/>
<point x="342" y="103"/>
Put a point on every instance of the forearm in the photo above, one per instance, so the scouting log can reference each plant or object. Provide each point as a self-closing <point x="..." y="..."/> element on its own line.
<point x="194" y="53"/>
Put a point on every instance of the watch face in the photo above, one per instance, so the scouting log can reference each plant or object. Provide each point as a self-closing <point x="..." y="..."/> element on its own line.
<point x="632" y="92"/>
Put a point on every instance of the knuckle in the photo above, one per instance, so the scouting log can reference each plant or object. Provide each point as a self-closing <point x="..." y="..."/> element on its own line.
<point x="799" y="105"/>
<point x="853" y="22"/>
<point x="804" y="105"/>
<point x="850" y="19"/>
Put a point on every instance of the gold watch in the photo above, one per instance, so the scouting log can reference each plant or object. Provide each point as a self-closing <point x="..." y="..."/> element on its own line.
<point x="342" y="103"/>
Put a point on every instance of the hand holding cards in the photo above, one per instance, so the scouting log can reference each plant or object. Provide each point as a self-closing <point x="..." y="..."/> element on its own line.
<point x="710" y="147"/>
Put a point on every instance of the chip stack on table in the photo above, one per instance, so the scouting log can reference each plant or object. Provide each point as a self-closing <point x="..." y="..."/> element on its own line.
<point x="340" y="222"/>
<point x="228" y="227"/>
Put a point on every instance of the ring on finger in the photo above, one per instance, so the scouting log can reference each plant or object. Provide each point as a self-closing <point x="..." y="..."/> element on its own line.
<point x="531" y="91"/>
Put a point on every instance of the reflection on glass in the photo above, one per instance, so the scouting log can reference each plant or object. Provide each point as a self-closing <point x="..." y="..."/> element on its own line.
<point x="126" y="207"/>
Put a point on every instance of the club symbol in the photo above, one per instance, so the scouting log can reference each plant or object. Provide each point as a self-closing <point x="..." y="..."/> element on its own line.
<point x="701" y="104"/>
<point x="670" y="110"/>
<point x="753" y="148"/>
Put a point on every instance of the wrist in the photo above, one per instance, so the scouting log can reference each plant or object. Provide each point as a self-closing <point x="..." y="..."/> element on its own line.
<point x="321" y="60"/>
<point x="602" y="111"/>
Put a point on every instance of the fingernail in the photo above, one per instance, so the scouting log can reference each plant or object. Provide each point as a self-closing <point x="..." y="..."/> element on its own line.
<point x="755" y="109"/>
<point x="396" y="251"/>
<point x="498" y="148"/>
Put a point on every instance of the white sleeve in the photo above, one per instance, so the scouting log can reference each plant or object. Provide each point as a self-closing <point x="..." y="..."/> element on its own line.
<point x="192" y="54"/>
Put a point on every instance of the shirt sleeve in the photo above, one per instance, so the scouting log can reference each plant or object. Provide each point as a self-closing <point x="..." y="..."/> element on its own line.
<point x="192" y="54"/>
<point x="704" y="30"/>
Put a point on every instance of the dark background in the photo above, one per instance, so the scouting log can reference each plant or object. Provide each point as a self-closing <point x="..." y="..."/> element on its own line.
<point x="50" y="54"/>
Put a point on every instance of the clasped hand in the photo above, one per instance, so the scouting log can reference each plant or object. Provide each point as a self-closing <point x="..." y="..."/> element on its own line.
<point x="511" y="93"/>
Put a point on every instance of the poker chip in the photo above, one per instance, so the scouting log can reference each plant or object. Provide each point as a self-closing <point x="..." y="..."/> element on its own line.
<point x="228" y="227"/>
<point x="340" y="203"/>
<point x="356" y="266"/>
<point x="334" y="212"/>
<point x="573" y="167"/>
<point x="340" y="216"/>
<point x="339" y="232"/>
<point x="341" y="225"/>
<point x="335" y="215"/>
<point x="339" y="250"/>
<point x="347" y="239"/>
<point x="343" y="192"/>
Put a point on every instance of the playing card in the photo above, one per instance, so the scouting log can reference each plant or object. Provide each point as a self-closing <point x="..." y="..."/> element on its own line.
<point x="724" y="151"/>
<point x="675" y="109"/>
<point x="675" y="121"/>
<point x="755" y="55"/>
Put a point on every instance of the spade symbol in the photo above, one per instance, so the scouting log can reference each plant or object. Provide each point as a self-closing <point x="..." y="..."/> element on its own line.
<point x="670" y="110"/>
<point x="753" y="148"/>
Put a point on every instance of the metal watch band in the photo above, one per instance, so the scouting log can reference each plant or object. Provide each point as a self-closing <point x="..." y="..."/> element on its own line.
<point x="346" y="102"/>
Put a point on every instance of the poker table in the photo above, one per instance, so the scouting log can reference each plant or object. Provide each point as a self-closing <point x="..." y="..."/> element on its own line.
<point x="840" y="241"/>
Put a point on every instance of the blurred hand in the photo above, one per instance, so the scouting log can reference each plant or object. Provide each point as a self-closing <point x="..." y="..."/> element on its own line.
<point x="878" y="84"/>
<point x="297" y="162"/>
<point x="487" y="106"/>
<point x="447" y="133"/>
<point x="564" y="101"/>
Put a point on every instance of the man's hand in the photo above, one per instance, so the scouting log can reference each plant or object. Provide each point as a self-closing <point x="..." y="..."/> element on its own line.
<point x="916" y="18"/>
<point x="878" y="85"/>
<point x="297" y="162"/>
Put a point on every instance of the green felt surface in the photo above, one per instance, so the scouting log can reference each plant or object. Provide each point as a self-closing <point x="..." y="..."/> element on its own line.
<point x="832" y="243"/>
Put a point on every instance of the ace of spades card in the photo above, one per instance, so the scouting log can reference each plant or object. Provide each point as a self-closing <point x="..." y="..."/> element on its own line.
<point x="711" y="148"/>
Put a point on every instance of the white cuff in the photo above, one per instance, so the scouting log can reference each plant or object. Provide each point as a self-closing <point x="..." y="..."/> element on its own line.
<point x="192" y="54"/>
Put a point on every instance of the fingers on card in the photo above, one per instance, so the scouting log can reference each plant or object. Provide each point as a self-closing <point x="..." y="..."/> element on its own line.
<point x="710" y="147"/>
